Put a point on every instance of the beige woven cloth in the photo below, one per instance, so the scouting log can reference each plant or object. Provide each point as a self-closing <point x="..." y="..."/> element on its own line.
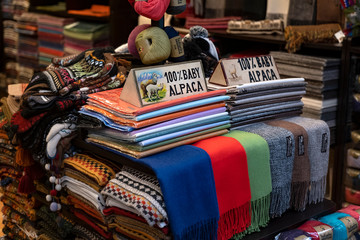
<point x="295" y="36"/>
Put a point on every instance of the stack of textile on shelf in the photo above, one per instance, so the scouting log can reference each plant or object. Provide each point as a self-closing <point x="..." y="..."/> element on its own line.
<point x="260" y="101"/>
<point x="142" y="131"/>
<point x="83" y="179"/>
<point x="11" y="38"/>
<point x="11" y="72"/>
<point x="342" y="224"/>
<point x="80" y="36"/>
<point x="27" y="45"/>
<point x="18" y="209"/>
<point x="210" y="23"/>
<point x="352" y="172"/>
<point x="51" y="38"/>
<point x="268" y="26"/>
<point x="20" y="7"/>
<point x="321" y="75"/>
<point x="7" y="9"/>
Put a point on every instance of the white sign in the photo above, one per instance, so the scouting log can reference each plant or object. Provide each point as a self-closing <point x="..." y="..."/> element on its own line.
<point x="155" y="84"/>
<point x="230" y="72"/>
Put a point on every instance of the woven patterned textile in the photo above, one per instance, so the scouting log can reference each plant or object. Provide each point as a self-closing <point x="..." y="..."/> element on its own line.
<point x="91" y="167"/>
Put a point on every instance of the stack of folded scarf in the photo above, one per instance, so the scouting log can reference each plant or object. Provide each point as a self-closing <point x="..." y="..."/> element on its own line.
<point x="46" y="121"/>
<point x="28" y="42"/>
<point x="80" y="36"/>
<point x="84" y="178"/>
<point x="11" y="38"/>
<point x="143" y="131"/>
<point x="135" y="205"/>
<point x="11" y="72"/>
<point x="321" y="75"/>
<point x="7" y="9"/>
<point x="260" y="101"/>
<point x="51" y="37"/>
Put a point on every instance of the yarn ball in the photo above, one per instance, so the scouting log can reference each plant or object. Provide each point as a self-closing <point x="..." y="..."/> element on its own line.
<point x="153" y="45"/>
<point x="58" y="187"/>
<point x="176" y="7"/>
<point x="58" y="206"/>
<point x="47" y="166"/>
<point x="177" y="47"/>
<point x="52" y="179"/>
<point x="153" y="9"/>
<point x="131" y="39"/>
<point x="53" y="206"/>
<point x="198" y="31"/>
<point x="48" y="198"/>
<point x="53" y="192"/>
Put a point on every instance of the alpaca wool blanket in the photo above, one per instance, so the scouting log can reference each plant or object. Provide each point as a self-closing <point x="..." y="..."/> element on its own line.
<point x="229" y="165"/>
<point x="318" y="150"/>
<point x="301" y="171"/>
<point x="282" y="150"/>
<point x="181" y="170"/>
<point x="258" y="161"/>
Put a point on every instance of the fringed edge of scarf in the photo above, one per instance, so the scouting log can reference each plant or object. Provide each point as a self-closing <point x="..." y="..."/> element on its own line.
<point x="317" y="190"/>
<point x="234" y="221"/>
<point x="259" y="216"/>
<point x="202" y="230"/>
<point x="299" y="195"/>
<point x="280" y="200"/>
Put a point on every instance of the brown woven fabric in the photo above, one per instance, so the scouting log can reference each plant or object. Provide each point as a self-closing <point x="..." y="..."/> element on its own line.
<point x="295" y="36"/>
<point x="136" y="225"/>
<point x="301" y="172"/>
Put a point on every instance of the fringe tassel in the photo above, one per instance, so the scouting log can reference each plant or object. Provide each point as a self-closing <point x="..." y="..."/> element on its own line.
<point x="234" y="221"/>
<point x="317" y="190"/>
<point x="299" y="195"/>
<point x="280" y="200"/>
<point x="259" y="216"/>
<point x="201" y="230"/>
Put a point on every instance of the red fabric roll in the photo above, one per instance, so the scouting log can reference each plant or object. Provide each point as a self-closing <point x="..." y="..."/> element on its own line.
<point x="352" y="196"/>
<point x="229" y="163"/>
<point x="153" y="9"/>
<point x="316" y="229"/>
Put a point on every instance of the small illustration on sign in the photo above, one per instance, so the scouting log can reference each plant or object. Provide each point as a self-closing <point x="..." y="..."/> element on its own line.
<point x="150" y="87"/>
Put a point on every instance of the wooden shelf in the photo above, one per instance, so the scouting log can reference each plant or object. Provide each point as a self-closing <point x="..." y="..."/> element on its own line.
<point x="272" y="39"/>
<point x="65" y="14"/>
<point x="292" y="219"/>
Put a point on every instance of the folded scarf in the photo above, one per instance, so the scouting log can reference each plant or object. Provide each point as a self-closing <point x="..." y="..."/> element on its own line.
<point x="318" y="151"/>
<point x="232" y="183"/>
<point x="301" y="171"/>
<point x="142" y="193"/>
<point x="191" y="216"/>
<point x="137" y="226"/>
<point x="344" y="226"/>
<point x="282" y="149"/>
<point x="258" y="161"/>
<point x="93" y="168"/>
